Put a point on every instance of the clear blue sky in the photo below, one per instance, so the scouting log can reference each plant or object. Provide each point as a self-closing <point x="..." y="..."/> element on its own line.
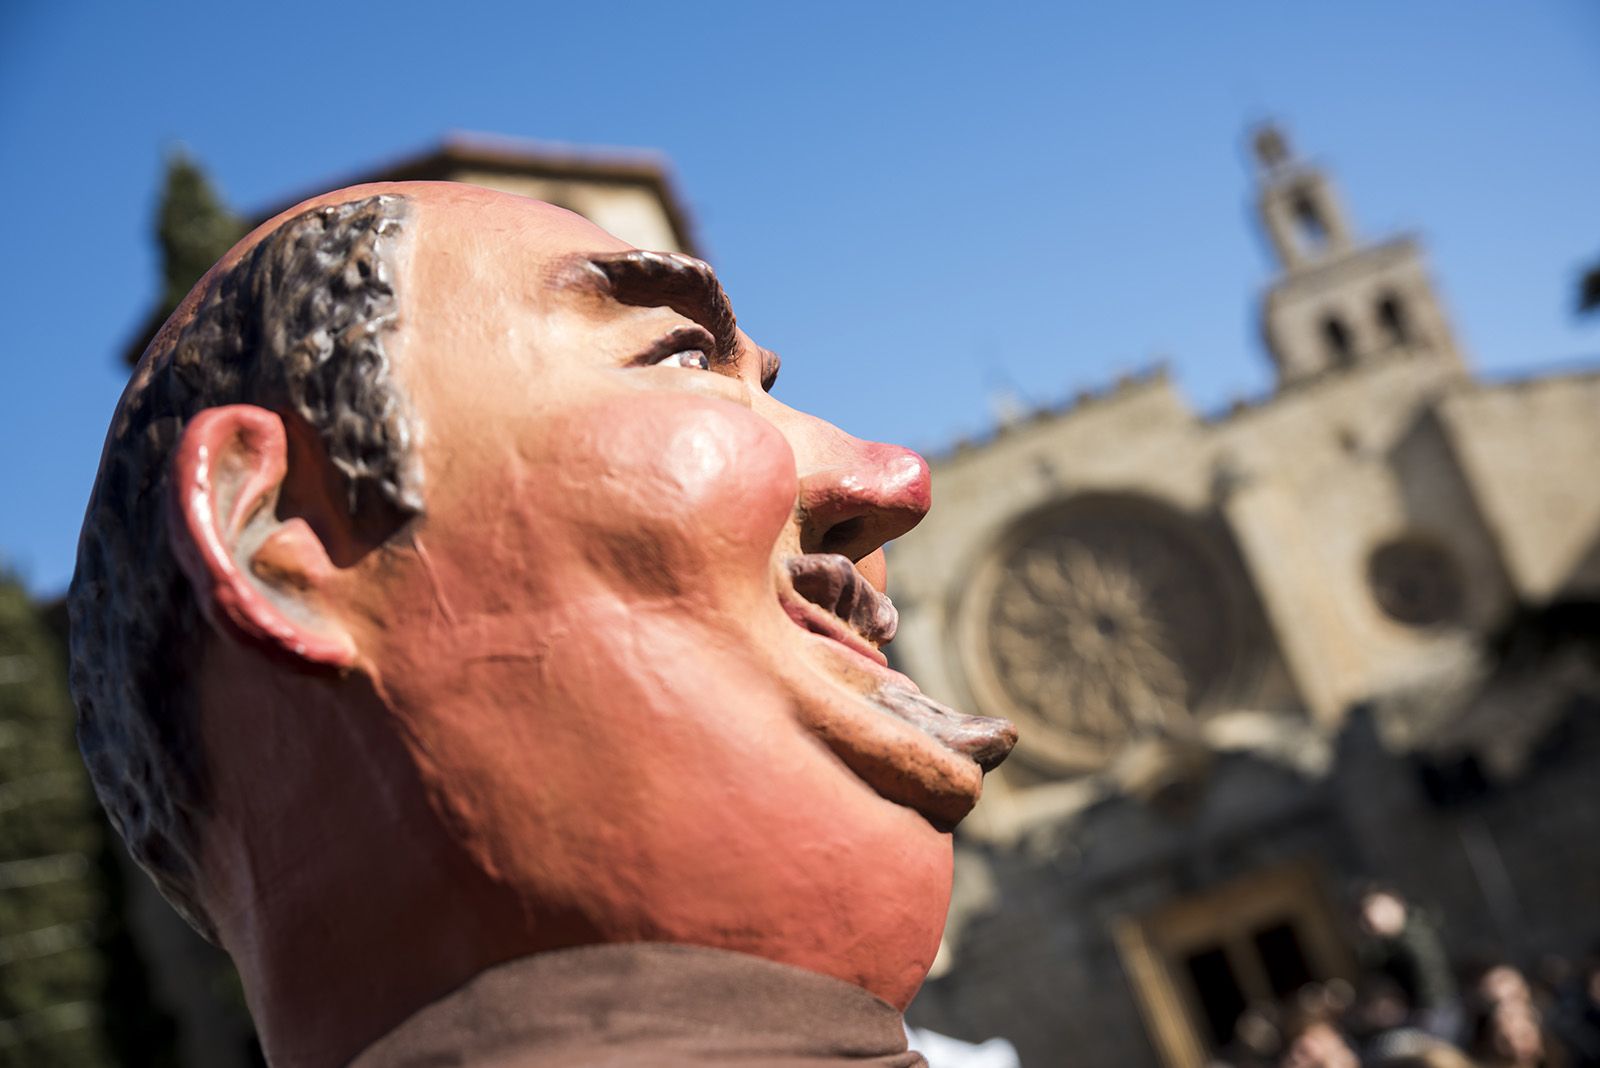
<point x="917" y="204"/>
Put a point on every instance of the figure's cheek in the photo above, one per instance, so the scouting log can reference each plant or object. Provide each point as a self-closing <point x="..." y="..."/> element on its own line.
<point x="684" y="481"/>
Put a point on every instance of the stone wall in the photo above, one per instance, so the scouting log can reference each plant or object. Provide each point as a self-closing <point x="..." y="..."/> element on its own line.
<point x="1511" y="871"/>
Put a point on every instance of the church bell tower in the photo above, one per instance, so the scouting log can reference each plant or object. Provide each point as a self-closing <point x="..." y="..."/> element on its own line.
<point x="1338" y="302"/>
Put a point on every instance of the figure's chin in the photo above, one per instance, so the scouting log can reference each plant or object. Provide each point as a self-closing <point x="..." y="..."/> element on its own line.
<point x="856" y="707"/>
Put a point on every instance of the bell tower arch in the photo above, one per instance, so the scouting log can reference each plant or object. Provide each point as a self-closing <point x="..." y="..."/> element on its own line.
<point x="1338" y="302"/>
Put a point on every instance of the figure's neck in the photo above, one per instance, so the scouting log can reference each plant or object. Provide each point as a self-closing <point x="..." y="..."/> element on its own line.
<point x="327" y="972"/>
<point x="344" y="896"/>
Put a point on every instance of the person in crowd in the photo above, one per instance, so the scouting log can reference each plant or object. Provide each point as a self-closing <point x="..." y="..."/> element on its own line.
<point x="1257" y="1036"/>
<point x="1508" y="1029"/>
<point x="1576" y="1018"/>
<point x="1435" y="1055"/>
<point x="1404" y="945"/>
<point x="1313" y="1039"/>
<point x="1383" y="1020"/>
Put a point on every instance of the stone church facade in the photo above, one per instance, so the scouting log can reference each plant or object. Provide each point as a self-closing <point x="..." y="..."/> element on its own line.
<point x="1259" y="656"/>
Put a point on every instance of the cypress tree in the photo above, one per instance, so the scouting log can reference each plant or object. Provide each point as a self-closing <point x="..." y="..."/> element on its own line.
<point x="194" y="228"/>
<point x="73" y="990"/>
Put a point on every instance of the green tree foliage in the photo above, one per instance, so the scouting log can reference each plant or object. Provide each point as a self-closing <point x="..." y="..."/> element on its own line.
<point x="50" y="976"/>
<point x="1589" y="290"/>
<point x="194" y="229"/>
<point x="72" y="989"/>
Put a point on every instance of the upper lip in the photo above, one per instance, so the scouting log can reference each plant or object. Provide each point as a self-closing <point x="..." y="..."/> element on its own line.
<point x="831" y="582"/>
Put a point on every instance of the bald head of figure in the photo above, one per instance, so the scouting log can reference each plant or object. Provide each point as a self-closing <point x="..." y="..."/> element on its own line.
<point x="454" y="589"/>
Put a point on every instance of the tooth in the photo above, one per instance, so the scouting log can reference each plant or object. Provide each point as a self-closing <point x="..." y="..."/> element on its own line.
<point x="832" y="582"/>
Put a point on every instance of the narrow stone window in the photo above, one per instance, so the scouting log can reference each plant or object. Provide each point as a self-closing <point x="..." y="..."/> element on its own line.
<point x="1336" y="338"/>
<point x="1392" y="318"/>
<point x="1309" y="221"/>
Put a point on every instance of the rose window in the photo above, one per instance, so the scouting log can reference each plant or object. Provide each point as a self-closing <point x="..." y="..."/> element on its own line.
<point x="1416" y="582"/>
<point x="1106" y="623"/>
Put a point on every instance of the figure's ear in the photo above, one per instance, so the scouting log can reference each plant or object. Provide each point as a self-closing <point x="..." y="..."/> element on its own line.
<point x="258" y="578"/>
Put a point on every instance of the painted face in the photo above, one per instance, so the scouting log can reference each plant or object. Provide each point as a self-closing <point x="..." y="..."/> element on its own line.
<point x="633" y="645"/>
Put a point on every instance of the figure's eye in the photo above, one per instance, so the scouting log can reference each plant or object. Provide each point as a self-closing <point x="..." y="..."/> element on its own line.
<point x="686" y="358"/>
<point x="685" y="346"/>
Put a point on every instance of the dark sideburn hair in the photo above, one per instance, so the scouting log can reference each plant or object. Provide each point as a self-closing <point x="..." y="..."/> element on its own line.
<point x="296" y="326"/>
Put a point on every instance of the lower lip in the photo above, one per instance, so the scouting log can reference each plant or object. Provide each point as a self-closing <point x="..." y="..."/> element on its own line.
<point x="932" y="777"/>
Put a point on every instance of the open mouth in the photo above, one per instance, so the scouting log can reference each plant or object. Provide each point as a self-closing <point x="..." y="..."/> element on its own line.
<point x="836" y="602"/>
<point x="839" y="604"/>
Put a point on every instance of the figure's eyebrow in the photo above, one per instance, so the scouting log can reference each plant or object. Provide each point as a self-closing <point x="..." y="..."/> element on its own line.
<point x="671" y="280"/>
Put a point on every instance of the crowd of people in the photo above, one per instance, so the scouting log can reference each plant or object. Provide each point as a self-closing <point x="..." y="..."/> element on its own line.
<point x="1412" y="1007"/>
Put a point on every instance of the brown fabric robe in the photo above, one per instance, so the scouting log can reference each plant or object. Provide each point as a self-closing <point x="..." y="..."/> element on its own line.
<point x="663" y="1006"/>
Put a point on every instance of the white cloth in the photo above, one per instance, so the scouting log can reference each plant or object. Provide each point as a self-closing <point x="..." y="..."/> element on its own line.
<point x="942" y="1051"/>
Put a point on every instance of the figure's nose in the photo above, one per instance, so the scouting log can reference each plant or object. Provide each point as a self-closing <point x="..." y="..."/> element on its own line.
<point x="865" y="495"/>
